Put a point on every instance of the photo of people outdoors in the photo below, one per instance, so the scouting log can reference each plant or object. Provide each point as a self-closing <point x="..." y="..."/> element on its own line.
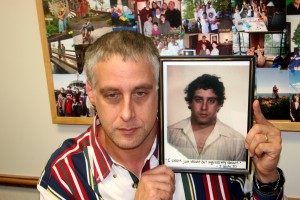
<point x="273" y="92"/>
<point x="207" y="17"/>
<point x="71" y="98"/>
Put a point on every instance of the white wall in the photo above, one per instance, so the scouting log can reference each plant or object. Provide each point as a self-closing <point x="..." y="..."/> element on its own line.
<point x="27" y="135"/>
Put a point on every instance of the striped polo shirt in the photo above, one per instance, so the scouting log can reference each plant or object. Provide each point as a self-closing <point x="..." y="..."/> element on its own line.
<point x="81" y="169"/>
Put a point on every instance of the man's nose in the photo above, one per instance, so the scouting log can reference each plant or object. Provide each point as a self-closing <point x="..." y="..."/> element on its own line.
<point x="127" y="111"/>
<point x="204" y="105"/>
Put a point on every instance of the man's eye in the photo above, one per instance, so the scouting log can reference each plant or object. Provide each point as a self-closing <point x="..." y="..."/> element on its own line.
<point x="198" y="100"/>
<point x="112" y="95"/>
<point x="140" y="94"/>
<point x="212" y="101"/>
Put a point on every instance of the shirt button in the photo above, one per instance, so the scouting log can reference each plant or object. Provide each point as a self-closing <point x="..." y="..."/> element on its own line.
<point x="134" y="185"/>
<point x="115" y="175"/>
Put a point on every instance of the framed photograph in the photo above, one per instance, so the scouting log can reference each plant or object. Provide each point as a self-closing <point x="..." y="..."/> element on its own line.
<point x="202" y="99"/>
<point x="214" y="38"/>
<point x="66" y="32"/>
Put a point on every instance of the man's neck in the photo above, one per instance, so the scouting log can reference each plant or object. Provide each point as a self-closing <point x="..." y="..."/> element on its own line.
<point x="131" y="159"/>
<point x="201" y="133"/>
<point x="203" y="127"/>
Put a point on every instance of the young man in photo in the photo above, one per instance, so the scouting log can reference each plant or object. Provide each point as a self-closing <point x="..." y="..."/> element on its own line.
<point x="203" y="135"/>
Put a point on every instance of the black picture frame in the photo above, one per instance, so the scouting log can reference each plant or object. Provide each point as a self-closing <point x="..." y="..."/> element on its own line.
<point x="237" y="74"/>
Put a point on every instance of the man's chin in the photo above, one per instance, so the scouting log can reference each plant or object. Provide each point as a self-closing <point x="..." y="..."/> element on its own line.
<point x="204" y="121"/>
<point x="128" y="145"/>
<point x="129" y="141"/>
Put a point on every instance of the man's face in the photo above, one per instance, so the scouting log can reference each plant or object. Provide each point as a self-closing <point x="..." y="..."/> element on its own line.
<point x="126" y="98"/>
<point x="147" y="3"/>
<point x="157" y="11"/>
<point x="204" y="107"/>
<point x="297" y="1"/>
<point x="171" y="5"/>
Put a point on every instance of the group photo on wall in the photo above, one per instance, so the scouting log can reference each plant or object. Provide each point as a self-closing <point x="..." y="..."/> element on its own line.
<point x="265" y="29"/>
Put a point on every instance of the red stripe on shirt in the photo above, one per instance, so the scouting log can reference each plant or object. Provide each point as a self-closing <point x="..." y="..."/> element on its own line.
<point x="81" y="188"/>
<point x="205" y="184"/>
<point x="225" y="186"/>
<point x="214" y="186"/>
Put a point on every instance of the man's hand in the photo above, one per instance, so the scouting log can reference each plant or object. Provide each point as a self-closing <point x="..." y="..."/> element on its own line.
<point x="157" y="183"/>
<point x="264" y="145"/>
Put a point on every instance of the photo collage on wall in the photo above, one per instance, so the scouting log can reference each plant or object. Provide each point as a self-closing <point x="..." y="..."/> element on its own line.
<point x="268" y="29"/>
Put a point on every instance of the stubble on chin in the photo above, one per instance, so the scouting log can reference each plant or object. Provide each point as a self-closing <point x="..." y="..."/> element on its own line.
<point x="127" y="141"/>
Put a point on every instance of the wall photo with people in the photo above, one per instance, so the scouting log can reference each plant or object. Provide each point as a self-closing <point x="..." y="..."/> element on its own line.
<point x="258" y="15"/>
<point x="71" y="26"/>
<point x="176" y="28"/>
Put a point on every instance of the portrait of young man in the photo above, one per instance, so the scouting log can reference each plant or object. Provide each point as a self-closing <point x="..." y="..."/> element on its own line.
<point x="117" y="156"/>
<point x="203" y="135"/>
<point x="209" y="118"/>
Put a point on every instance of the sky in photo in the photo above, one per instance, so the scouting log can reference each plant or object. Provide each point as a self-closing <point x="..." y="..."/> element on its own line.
<point x="266" y="78"/>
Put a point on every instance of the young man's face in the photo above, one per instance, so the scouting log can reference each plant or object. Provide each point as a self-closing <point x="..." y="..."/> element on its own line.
<point x="204" y="107"/>
<point x="126" y="98"/>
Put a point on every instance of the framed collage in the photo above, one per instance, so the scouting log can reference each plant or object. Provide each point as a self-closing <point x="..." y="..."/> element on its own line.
<point x="263" y="29"/>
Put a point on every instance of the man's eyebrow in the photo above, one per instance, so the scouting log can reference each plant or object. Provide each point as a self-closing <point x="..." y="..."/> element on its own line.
<point x="142" y="86"/>
<point x="107" y="89"/>
<point x="197" y="96"/>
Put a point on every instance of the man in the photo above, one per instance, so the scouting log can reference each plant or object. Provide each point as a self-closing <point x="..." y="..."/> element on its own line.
<point x="293" y="8"/>
<point x="173" y="15"/>
<point x="63" y="52"/>
<point x="203" y="135"/>
<point x="144" y="13"/>
<point x="213" y="23"/>
<point x="117" y="157"/>
<point x="210" y="9"/>
<point x="200" y="42"/>
<point x="156" y="17"/>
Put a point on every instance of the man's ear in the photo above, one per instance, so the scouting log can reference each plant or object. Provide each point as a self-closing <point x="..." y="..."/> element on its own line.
<point x="89" y="91"/>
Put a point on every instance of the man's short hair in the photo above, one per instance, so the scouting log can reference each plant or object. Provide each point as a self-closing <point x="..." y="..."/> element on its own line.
<point x="129" y="45"/>
<point x="205" y="82"/>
